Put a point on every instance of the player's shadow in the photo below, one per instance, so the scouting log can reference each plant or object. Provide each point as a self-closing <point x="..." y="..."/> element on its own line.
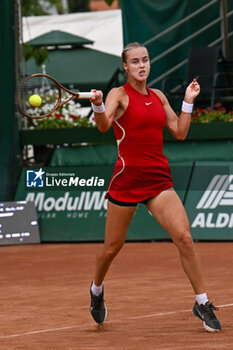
<point x="100" y="328"/>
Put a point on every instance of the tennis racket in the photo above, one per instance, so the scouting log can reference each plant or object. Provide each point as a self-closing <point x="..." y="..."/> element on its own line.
<point x="39" y="95"/>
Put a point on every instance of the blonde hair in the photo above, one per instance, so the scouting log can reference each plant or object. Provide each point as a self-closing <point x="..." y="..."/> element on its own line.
<point x="128" y="47"/>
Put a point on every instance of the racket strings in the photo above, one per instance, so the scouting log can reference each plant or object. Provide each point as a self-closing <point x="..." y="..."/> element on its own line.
<point x="38" y="96"/>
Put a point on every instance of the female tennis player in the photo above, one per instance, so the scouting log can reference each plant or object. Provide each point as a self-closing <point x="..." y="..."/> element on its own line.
<point x="142" y="175"/>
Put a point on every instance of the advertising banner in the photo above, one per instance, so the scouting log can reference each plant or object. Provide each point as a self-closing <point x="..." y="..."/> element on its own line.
<point x="209" y="201"/>
<point x="71" y="204"/>
<point x="70" y="201"/>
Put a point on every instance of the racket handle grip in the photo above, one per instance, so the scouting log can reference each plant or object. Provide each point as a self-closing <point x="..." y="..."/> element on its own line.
<point x="83" y="95"/>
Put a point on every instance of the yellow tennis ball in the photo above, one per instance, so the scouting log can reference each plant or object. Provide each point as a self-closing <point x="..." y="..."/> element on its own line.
<point x="35" y="100"/>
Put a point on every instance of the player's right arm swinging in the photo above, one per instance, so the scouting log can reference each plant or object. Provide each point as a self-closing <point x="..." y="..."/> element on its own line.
<point x="105" y="115"/>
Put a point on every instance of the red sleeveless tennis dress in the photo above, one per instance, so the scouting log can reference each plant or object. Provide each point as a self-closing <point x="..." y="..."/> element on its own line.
<point x="141" y="171"/>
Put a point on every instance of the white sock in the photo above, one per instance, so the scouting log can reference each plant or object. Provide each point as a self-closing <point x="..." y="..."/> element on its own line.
<point x="97" y="290"/>
<point x="201" y="298"/>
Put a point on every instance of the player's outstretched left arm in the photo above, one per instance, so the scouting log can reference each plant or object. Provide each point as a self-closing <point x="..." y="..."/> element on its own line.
<point x="179" y="126"/>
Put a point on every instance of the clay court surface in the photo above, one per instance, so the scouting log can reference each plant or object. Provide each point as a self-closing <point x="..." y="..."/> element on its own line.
<point x="44" y="298"/>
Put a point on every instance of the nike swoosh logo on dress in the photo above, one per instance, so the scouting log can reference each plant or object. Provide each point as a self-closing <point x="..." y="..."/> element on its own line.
<point x="148" y="103"/>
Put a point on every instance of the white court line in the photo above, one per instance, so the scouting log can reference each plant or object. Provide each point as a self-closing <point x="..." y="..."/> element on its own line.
<point x="225" y="305"/>
<point x="113" y="321"/>
<point x="170" y="313"/>
<point x="159" y="314"/>
<point x="37" y="332"/>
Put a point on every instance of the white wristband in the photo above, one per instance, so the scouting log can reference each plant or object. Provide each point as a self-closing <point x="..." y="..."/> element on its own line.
<point x="98" y="109"/>
<point x="187" y="107"/>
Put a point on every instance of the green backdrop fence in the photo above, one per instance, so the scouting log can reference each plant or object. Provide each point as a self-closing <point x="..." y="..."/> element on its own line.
<point x="76" y="212"/>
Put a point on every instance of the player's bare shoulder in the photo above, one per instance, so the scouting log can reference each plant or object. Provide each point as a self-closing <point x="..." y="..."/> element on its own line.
<point x="119" y="98"/>
<point x="117" y="93"/>
<point x="160" y="95"/>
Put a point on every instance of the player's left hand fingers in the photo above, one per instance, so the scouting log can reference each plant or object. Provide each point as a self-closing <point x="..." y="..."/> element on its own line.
<point x="195" y="85"/>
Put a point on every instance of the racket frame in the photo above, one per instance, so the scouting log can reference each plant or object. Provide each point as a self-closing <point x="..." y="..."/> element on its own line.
<point x="75" y="95"/>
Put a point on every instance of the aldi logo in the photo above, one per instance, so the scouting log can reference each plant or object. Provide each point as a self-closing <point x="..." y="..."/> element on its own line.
<point x="35" y="178"/>
<point x="218" y="193"/>
<point x="214" y="208"/>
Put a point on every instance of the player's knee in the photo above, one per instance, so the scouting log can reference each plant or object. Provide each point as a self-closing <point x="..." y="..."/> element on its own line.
<point x="185" y="242"/>
<point x="112" y="251"/>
